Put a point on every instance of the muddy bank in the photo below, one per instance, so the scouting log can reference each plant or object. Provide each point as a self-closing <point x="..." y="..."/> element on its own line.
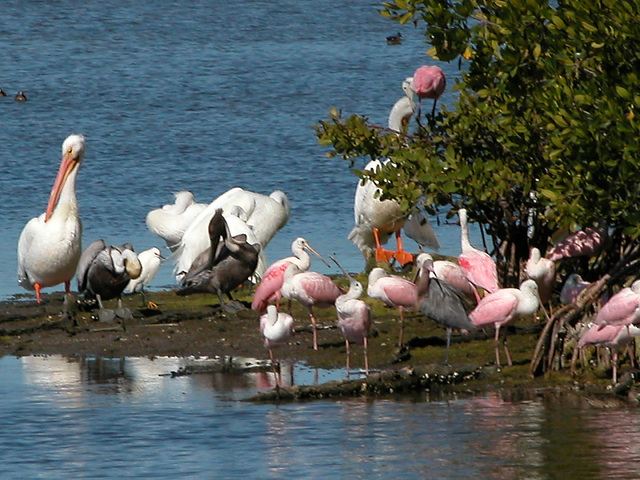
<point x="196" y="325"/>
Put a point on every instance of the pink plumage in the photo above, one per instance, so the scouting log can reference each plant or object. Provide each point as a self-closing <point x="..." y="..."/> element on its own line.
<point x="429" y="81"/>
<point x="573" y="286"/>
<point x="394" y="291"/>
<point x="583" y="243"/>
<point x="354" y="319"/>
<point x="502" y="306"/>
<point x="310" y="289"/>
<point x="452" y="273"/>
<point x="478" y="266"/>
<point x="621" y="309"/>
<point x="269" y="289"/>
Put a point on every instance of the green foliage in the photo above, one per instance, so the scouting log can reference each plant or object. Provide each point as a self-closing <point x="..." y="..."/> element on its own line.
<point x="544" y="125"/>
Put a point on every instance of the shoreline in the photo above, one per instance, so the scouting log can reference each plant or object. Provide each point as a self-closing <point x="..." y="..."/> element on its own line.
<point x="196" y="326"/>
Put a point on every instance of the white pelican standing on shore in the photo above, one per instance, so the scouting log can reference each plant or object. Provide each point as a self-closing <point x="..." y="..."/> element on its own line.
<point x="50" y="245"/>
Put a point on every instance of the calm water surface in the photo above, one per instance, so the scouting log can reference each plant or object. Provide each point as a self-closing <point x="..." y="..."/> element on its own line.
<point x="195" y="95"/>
<point x="124" y="418"/>
<point x="204" y="96"/>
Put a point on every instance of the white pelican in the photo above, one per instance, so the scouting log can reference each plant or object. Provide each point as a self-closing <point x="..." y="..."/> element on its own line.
<point x="50" y="245"/>
<point x="265" y="215"/>
<point x="375" y="219"/>
<point x="170" y="221"/>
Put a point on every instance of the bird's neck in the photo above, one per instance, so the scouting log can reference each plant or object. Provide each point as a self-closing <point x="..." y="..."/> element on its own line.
<point x="67" y="205"/>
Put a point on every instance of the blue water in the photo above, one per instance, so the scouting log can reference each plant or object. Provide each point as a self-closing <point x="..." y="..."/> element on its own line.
<point x="124" y="418"/>
<point x="195" y="95"/>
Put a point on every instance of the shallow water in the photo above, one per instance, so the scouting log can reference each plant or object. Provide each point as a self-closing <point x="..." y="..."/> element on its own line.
<point x="197" y="95"/>
<point x="125" y="418"/>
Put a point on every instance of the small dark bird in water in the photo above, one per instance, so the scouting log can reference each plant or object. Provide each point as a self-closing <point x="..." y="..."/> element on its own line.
<point x="3" y="93"/>
<point x="394" y="39"/>
<point x="235" y="264"/>
<point x="20" y="97"/>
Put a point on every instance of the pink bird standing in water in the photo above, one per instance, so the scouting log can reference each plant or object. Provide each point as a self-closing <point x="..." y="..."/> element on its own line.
<point x="310" y="289"/>
<point x="502" y="306"/>
<point x="478" y="266"/>
<point x="394" y="291"/>
<point x="543" y="271"/>
<point x="429" y="82"/>
<point x="354" y="318"/>
<point x="583" y="243"/>
<point x="613" y="337"/>
<point x="268" y="290"/>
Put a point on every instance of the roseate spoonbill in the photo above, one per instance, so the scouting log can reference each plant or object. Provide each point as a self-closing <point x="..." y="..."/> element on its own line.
<point x="394" y="291"/>
<point x="50" y="245"/>
<point x="265" y="214"/>
<point x="104" y="272"/>
<point x="354" y="317"/>
<point x="150" y="260"/>
<point x="583" y="243"/>
<point x="502" y="306"/>
<point x="375" y="219"/>
<point x="621" y="309"/>
<point x="441" y="301"/>
<point x="429" y="81"/>
<point x="543" y="271"/>
<point x="170" y="221"/>
<point x="394" y="39"/>
<point x="613" y="337"/>
<point x="478" y="266"/>
<point x="229" y="272"/>
<point x="268" y="290"/>
<point x="310" y="289"/>
<point x="276" y="328"/>
<point x="573" y="285"/>
<point x="452" y="273"/>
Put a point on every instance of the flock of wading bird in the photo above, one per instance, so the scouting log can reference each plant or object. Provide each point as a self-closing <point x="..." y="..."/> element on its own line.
<point x="216" y="247"/>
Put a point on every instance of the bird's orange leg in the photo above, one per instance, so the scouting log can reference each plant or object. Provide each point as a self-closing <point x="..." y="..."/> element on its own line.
<point x="366" y="357"/>
<point x="315" y="330"/>
<point x="382" y="255"/>
<point x="37" y="287"/>
<point x="400" y="254"/>
<point x="67" y="287"/>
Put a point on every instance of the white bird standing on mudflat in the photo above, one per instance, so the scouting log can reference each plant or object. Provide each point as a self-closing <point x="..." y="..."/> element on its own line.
<point x="150" y="260"/>
<point x="50" y="245"/>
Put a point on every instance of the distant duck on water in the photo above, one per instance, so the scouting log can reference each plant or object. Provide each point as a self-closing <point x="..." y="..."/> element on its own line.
<point x="20" y="97"/>
<point x="394" y="39"/>
<point x="3" y="93"/>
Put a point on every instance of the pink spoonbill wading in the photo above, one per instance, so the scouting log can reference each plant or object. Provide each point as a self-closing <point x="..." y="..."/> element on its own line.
<point x="269" y="289"/>
<point x="394" y="291"/>
<point x="452" y="273"/>
<point x="613" y="337"/>
<point x="621" y="309"/>
<point x="504" y="305"/>
<point x="354" y="318"/>
<point x="50" y="245"/>
<point x="310" y="289"/>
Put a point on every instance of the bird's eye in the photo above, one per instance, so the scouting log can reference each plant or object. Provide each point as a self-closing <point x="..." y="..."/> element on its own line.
<point x="69" y="150"/>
